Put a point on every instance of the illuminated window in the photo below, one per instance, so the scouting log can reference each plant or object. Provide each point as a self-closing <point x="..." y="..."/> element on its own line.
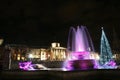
<point x="18" y="57"/>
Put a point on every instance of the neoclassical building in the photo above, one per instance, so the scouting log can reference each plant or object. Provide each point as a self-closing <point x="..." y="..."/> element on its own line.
<point x="57" y="53"/>
<point x="23" y="53"/>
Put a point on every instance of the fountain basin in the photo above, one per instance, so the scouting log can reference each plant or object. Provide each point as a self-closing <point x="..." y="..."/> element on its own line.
<point x="80" y="64"/>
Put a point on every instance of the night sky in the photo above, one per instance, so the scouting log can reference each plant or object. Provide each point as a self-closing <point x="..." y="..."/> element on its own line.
<point x="40" y="22"/>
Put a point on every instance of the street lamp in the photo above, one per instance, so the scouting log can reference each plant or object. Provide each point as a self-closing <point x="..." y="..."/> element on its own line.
<point x="30" y="56"/>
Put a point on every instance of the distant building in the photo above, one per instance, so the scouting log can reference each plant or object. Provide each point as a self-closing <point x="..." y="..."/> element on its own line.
<point x="116" y="47"/>
<point x="14" y="53"/>
<point x="17" y="52"/>
<point x="37" y="54"/>
<point x="57" y="53"/>
<point x="24" y="53"/>
<point x="94" y="55"/>
<point x="54" y="53"/>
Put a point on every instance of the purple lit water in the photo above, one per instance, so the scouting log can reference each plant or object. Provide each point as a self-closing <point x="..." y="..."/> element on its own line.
<point x="79" y="40"/>
<point x="79" y="45"/>
<point x="26" y="65"/>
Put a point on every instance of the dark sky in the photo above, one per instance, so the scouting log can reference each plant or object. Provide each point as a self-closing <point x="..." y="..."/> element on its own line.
<point x="40" y="22"/>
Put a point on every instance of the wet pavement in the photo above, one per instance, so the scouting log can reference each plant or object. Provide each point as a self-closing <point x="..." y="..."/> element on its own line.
<point x="54" y="74"/>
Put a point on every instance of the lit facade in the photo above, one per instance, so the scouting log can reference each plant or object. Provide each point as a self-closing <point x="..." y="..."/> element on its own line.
<point x="37" y="54"/>
<point x="94" y="55"/>
<point x="116" y="56"/>
<point x="57" y="53"/>
<point x="17" y="52"/>
<point x="25" y="53"/>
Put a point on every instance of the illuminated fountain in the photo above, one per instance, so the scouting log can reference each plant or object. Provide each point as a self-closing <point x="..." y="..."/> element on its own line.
<point x="80" y="49"/>
<point x="28" y="65"/>
<point x="80" y="46"/>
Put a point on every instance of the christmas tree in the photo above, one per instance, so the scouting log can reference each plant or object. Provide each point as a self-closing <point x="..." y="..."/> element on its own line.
<point x="105" y="50"/>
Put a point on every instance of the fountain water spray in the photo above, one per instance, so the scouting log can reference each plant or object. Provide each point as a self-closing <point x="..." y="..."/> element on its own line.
<point x="79" y="45"/>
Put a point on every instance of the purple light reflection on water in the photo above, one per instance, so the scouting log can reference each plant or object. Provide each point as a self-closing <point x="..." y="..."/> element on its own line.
<point x="26" y="65"/>
<point x="109" y="65"/>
